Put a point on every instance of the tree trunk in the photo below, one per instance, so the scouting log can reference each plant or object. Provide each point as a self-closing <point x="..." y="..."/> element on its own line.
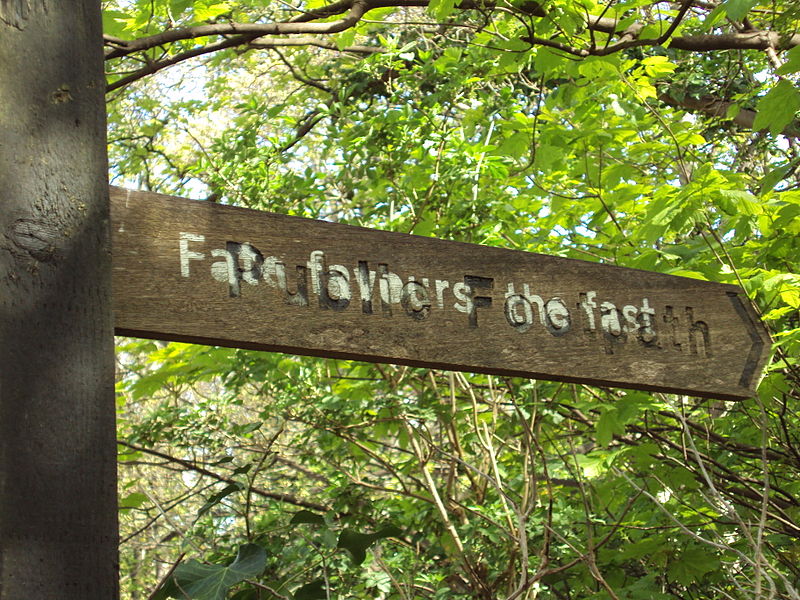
<point x="58" y="512"/>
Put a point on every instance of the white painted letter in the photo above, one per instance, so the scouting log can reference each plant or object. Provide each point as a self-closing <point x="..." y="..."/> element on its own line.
<point x="441" y="286"/>
<point x="463" y="295"/>
<point x="629" y="313"/>
<point x="224" y="271"/>
<point x="186" y="254"/>
<point x="558" y="321"/>
<point x="609" y="319"/>
<point x="647" y="334"/>
<point x="588" y="304"/>
<point x="316" y="266"/>
<point x="269" y="271"/>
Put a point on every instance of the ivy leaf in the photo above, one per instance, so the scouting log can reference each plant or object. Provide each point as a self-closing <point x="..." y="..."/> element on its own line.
<point x="194" y="580"/>
<point x="312" y="591"/>
<point x="777" y="109"/>
<point x="219" y="497"/>
<point x="357" y="543"/>
<point x="306" y="516"/>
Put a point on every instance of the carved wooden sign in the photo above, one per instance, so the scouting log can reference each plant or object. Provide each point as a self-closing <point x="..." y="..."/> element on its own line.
<point x="200" y="272"/>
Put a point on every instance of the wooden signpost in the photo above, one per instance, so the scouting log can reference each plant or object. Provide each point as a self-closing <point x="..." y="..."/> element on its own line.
<point x="200" y="272"/>
<point x="58" y="479"/>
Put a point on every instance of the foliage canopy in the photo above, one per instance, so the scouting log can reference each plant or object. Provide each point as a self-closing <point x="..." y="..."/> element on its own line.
<point x="655" y="135"/>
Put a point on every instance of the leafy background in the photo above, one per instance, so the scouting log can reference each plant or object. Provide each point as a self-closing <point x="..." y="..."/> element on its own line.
<point x="660" y="136"/>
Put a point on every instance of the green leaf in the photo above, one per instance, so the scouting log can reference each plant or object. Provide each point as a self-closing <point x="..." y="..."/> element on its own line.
<point x="210" y="11"/>
<point x="247" y="428"/>
<point x="658" y="66"/>
<point x="607" y="425"/>
<point x="771" y="179"/>
<point x="693" y="563"/>
<point x="357" y="543"/>
<point x="737" y="9"/>
<point x="737" y="202"/>
<point x="312" y="591"/>
<point x="114" y="23"/>
<point x="134" y="500"/>
<point x="777" y="109"/>
<point x="197" y="581"/>
<point x="548" y="61"/>
<point x="178" y="7"/>
<point x="426" y="225"/>
<point x="647" y="547"/>
<point x="167" y="590"/>
<point x="792" y="64"/>
<point x="219" y="497"/>
<point x="306" y="516"/>
<point x="441" y="9"/>
<point x="345" y="39"/>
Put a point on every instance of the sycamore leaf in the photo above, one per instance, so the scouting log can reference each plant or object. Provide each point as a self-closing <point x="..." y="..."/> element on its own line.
<point x="777" y="109"/>
<point x="693" y="564"/>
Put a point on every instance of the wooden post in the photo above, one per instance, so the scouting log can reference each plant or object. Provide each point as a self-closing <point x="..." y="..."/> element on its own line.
<point x="58" y="509"/>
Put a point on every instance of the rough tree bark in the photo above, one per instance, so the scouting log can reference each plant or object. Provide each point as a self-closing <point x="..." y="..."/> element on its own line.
<point x="58" y="523"/>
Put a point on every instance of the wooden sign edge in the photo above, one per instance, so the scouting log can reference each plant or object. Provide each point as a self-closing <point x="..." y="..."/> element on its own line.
<point x="372" y="358"/>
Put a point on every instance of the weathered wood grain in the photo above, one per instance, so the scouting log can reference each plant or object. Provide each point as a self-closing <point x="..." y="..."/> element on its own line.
<point x="194" y="271"/>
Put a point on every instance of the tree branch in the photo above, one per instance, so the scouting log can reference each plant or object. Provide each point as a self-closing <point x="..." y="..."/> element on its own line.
<point x="246" y="30"/>
<point x="629" y="39"/>
<point x="748" y="40"/>
<point x="354" y="11"/>
<point x="714" y="107"/>
<point x="156" y="66"/>
<point x="269" y="43"/>
<point x="289" y="499"/>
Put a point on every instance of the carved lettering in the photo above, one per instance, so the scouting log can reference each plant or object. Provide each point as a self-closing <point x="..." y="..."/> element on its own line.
<point x="609" y="324"/>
